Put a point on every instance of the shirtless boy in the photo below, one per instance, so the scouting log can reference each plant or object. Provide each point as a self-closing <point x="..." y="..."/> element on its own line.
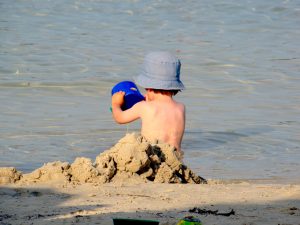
<point x="162" y="117"/>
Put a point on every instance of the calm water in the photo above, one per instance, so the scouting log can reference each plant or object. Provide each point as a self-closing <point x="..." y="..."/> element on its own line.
<point x="240" y="64"/>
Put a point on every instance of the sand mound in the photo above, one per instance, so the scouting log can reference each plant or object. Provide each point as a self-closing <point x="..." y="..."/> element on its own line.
<point x="132" y="158"/>
<point x="49" y="172"/>
<point x="9" y="175"/>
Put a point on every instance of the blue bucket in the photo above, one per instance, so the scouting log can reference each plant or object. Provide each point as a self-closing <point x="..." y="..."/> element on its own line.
<point x="132" y="93"/>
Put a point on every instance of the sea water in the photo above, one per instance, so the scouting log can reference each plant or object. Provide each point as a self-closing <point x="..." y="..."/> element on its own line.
<point x="59" y="60"/>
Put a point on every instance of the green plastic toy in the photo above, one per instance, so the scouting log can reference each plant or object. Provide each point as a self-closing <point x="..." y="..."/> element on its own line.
<point x="189" y="220"/>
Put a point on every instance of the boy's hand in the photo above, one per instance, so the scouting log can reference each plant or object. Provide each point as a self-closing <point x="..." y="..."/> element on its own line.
<point x="126" y="116"/>
<point x="118" y="99"/>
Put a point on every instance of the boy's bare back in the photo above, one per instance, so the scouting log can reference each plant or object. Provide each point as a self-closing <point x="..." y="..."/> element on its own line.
<point x="162" y="118"/>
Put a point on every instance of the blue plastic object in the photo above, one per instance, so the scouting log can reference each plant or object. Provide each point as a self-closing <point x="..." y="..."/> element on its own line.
<point x="132" y="93"/>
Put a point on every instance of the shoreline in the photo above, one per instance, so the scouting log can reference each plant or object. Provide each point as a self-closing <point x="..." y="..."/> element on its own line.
<point x="277" y="180"/>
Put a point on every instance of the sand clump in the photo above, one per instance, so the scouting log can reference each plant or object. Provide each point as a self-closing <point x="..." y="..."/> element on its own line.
<point x="132" y="158"/>
<point x="9" y="175"/>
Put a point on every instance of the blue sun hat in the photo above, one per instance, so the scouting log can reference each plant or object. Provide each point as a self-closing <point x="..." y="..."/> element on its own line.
<point x="160" y="70"/>
<point x="132" y="93"/>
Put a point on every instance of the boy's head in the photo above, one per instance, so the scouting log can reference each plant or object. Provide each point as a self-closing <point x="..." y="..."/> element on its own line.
<point x="160" y="71"/>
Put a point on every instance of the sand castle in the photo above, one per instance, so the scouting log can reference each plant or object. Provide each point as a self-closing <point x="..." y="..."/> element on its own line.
<point x="132" y="159"/>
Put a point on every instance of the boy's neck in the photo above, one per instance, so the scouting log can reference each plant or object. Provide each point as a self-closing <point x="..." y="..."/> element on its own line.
<point x="159" y="96"/>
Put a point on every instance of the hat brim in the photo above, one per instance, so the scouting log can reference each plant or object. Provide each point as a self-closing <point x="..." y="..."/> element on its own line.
<point x="147" y="82"/>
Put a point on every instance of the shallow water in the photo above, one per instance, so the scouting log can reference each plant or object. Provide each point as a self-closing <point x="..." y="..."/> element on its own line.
<point x="240" y="65"/>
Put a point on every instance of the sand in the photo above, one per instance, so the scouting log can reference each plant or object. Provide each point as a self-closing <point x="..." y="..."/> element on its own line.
<point x="133" y="159"/>
<point x="140" y="180"/>
<point x="98" y="204"/>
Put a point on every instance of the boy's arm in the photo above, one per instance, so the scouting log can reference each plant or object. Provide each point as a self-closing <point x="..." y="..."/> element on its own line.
<point x="121" y="116"/>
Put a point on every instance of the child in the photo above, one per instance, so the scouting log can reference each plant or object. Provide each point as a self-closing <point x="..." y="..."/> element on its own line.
<point x="162" y="117"/>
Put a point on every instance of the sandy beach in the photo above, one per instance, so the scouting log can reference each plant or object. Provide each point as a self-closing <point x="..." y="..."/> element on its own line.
<point x="240" y="66"/>
<point x="138" y="180"/>
<point x="167" y="203"/>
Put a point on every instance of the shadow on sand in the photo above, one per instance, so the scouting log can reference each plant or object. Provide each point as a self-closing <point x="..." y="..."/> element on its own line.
<point x="47" y="206"/>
